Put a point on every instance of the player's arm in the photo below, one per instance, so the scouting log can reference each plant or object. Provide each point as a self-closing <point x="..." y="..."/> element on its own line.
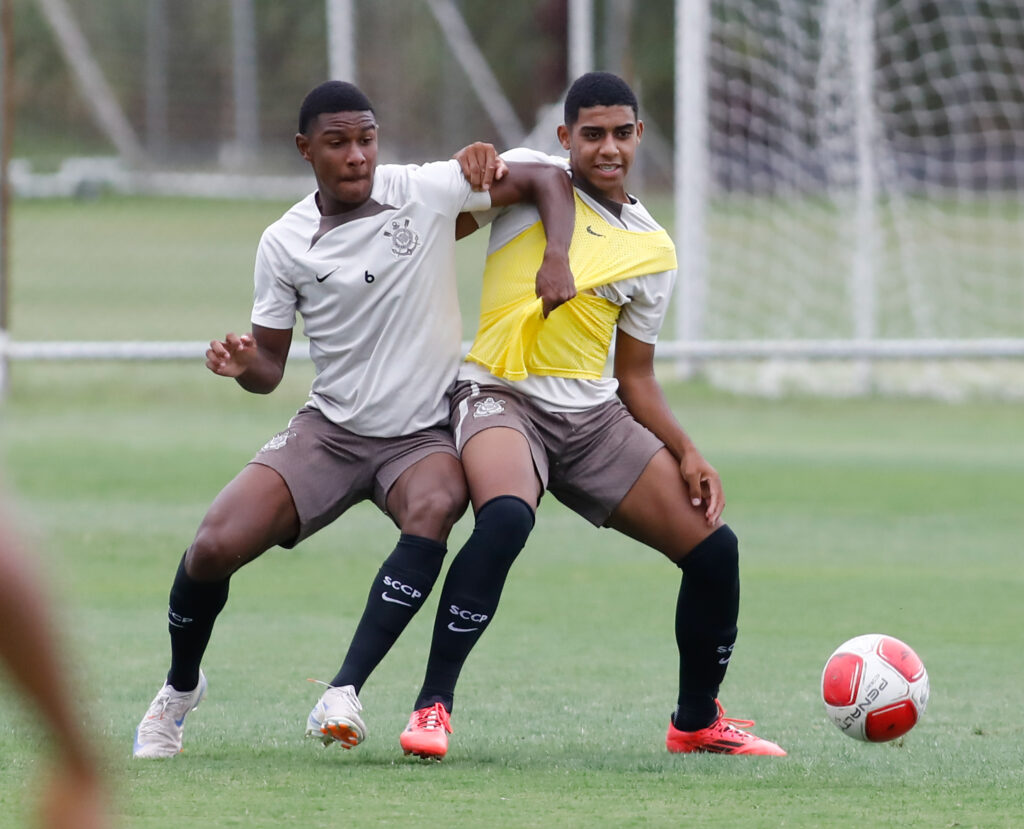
<point x="550" y="189"/>
<point x="640" y="391"/>
<point x="73" y="795"/>
<point x="482" y="166"/>
<point x="255" y="360"/>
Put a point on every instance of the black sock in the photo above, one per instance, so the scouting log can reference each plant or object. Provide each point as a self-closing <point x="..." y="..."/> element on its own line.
<point x="472" y="589"/>
<point x="191" y="612"/>
<point x="706" y="613"/>
<point x="401" y="587"/>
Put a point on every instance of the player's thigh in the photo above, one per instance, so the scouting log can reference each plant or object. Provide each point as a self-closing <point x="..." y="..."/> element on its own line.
<point x="498" y="462"/>
<point x="657" y="510"/>
<point x="253" y="513"/>
<point x="428" y="497"/>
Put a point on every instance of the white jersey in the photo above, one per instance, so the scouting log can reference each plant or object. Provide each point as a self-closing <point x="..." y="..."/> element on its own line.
<point x="644" y="300"/>
<point x="376" y="290"/>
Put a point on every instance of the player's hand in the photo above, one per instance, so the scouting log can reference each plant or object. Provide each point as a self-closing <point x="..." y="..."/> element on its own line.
<point x="703" y="484"/>
<point x="231" y="356"/>
<point x="555" y="283"/>
<point x="481" y="165"/>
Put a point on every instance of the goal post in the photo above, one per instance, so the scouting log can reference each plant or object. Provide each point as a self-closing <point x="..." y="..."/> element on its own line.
<point x="6" y="62"/>
<point x="848" y="186"/>
<point x="848" y="205"/>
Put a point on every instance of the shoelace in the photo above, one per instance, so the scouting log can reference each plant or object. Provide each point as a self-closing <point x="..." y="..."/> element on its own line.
<point x="431" y="718"/>
<point x="731" y="722"/>
<point x="155" y="714"/>
<point x="354" y="701"/>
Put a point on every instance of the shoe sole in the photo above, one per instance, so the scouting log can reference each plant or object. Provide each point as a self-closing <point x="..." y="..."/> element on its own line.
<point x="345" y="735"/>
<point x="734" y="751"/>
<point x="424" y="755"/>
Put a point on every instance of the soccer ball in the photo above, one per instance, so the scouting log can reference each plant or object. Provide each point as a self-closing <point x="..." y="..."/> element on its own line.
<point x="875" y="688"/>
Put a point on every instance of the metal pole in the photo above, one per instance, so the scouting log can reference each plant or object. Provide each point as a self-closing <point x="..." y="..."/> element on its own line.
<point x="156" y="78"/>
<point x="246" y="86"/>
<point x="341" y="41"/>
<point x="581" y="38"/>
<point x="478" y="71"/>
<point x="862" y="277"/>
<point x="692" y="28"/>
<point x="6" y="134"/>
<point x="96" y="92"/>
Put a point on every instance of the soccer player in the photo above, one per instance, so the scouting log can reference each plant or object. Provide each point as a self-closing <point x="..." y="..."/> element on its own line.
<point x="73" y="797"/>
<point x="533" y="412"/>
<point x="368" y="260"/>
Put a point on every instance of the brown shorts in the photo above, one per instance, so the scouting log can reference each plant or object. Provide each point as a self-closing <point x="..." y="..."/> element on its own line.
<point x="327" y="468"/>
<point x="589" y="460"/>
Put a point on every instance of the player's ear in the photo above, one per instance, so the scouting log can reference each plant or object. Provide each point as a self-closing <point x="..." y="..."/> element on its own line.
<point x="302" y="142"/>
<point x="639" y="129"/>
<point x="563" y="136"/>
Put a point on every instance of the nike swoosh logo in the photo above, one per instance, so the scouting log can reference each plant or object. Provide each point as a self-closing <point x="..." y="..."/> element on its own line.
<point x="724" y="661"/>
<point x="453" y="629"/>
<point x="322" y="278"/>
<point x="387" y="598"/>
<point x="593" y="232"/>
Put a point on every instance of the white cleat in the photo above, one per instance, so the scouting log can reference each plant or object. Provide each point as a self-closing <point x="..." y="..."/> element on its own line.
<point x="335" y="718"/>
<point x="160" y="732"/>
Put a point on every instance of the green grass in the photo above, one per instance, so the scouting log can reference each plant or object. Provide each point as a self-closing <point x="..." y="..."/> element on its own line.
<point x="149" y="269"/>
<point x="854" y="516"/>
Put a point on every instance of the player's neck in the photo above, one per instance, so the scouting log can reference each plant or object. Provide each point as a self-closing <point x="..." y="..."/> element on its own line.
<point x="614" y="202"/>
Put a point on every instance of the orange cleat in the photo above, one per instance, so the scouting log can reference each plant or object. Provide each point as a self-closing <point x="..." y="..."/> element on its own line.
<point x="723" y="736"/>
<point x="426" y="735"/>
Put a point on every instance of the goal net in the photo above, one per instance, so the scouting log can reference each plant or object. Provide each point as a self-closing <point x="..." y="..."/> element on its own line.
<point x="864" y="173"/>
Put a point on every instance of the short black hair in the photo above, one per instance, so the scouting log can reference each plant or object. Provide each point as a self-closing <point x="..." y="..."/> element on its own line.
<point x="597" y="89"/>
<point x="332" y="96"/>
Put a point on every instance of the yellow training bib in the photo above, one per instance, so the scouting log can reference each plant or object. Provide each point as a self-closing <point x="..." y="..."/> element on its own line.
<point x="514" y="340"/>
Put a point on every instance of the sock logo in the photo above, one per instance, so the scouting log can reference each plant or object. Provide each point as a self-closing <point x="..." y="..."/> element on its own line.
<point x="724" y="654"/>
<point x="465" y="615"/>
<point x="176" y="619"/>
<point x="406" y="589"/>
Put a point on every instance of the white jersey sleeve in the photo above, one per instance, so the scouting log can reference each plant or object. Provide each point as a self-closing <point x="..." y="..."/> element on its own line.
<point x="644" y="301"/>
<point x="275" y="300"/>
<point x="442" y="185"/>
<point x="526" y="211"/>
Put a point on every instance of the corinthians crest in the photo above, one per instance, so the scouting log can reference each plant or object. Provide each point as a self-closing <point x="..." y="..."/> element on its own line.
<point x="488" y="407"/>
<point x="277" y="441"/>
<point x="404" y="240"/>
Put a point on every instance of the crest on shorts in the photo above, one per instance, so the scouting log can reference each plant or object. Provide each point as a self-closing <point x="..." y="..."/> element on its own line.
<point x="277" y="441"/>
<point x="404" y="240"/>
<point x="488" y="407"/>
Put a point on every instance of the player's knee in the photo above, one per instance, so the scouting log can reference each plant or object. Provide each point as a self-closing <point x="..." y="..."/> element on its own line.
<point x="213" y="556"/>
<point x="717" y="556"/>
<point x="432" y="514"/>
<point x="507" y="517"/>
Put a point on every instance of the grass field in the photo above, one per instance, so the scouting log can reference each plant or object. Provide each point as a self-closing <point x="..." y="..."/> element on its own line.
<point x="902" y="517"/>
<point x="854" y="516"/>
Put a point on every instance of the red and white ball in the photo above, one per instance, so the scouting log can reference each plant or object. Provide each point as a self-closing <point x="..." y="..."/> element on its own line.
<point x="875" y="688"/>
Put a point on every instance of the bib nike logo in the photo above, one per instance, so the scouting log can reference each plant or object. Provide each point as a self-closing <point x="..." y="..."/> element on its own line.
<point x="322" y="278"/>
<point x="592" y="232"/>
<point x="387" y="598"/>
<point x="453" y="629"/>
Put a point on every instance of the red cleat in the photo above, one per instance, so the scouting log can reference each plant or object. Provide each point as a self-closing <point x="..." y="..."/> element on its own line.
<point x="426" y="735"/>
<point x="723" y="736"/>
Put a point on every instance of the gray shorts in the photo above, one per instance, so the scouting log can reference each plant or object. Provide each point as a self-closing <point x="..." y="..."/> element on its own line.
<point x="589" y="460"/>
<point x="328" y="469"/>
